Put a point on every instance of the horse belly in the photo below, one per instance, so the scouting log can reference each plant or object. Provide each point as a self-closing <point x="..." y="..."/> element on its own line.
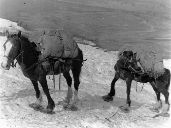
<point x="56" y="68"/>
<point x="50" y="68"/>
<point x="142" y="79"/>
<point x="124" y="74"/>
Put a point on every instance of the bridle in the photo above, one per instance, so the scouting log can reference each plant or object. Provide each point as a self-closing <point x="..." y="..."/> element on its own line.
<point x="126" y="62"/>
<point x="128" y="65"/>
<point x="20" y="53"/>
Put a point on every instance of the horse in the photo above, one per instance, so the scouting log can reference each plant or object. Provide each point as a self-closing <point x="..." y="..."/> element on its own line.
<point x="18" y="47"/>
<point x="127" y="69"/>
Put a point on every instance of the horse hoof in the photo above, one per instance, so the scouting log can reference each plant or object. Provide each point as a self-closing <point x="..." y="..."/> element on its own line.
<point x="155" y="110"/>
<point x="124" y="109"/>
<point x="162" y="115"/>
<point x="65" y="106"/>
<point x="63" y="102"/>
<point x="74" y="108"/>
<point x="70" y="107"/>
<point x="50" y="108"/>
<point x="49" y="111"/>
<point x="107" y="98"/>
<point x="36" y="106"/>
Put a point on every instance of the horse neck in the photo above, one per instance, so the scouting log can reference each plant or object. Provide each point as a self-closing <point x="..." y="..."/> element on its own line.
<point x="121" y="62"/>
<point x="28" y="56"/>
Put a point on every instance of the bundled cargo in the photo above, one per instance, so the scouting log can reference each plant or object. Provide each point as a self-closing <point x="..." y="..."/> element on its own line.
<point x="58" y="44"/>
<point x="149" y="56"/>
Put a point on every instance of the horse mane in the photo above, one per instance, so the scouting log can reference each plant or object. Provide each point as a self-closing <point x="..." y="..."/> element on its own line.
<point x="29" y="45"/>
<point x="25" y="39"/>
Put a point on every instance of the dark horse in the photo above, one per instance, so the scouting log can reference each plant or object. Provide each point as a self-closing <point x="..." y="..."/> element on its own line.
<point x="20" y="48"/>
<point x="127" y="69"/>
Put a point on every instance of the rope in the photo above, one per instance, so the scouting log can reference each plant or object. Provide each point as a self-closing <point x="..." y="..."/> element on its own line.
<point x="59" y="78"/>
<point x="108" y="118"/>
<point x="61" y="40"/>
<point x="53" y="76"/>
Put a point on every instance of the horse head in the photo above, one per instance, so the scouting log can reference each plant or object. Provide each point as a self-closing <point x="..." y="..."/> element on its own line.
<point x="130" y="61"/>
<point x="133" y="64"/>
<point x="12" y="49"/>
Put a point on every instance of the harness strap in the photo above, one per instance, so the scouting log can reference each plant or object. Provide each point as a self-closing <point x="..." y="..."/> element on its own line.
<point x="53" y="70"/>
<point x="61" y="39"/>
<point x="59" y="77"/>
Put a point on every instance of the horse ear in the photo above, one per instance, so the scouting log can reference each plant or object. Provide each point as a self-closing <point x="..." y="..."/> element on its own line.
<point x="19" y="34"/>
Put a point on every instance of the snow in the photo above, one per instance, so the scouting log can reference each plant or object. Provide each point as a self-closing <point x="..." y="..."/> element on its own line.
<point x="9" y="25"/>
<point x="16" y="93"/>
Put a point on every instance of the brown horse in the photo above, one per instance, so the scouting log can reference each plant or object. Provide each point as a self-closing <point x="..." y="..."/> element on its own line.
<point x="127" y="69"/>
<point x="20" y="48"/>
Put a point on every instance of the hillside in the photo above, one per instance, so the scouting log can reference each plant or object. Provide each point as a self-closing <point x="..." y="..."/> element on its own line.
<point x="108" y="23"/>
<point x="16" y="93"/>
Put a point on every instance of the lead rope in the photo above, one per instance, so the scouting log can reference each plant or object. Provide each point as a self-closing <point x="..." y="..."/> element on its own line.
<point x="61" y="39"/>
<point x="53" y="76"/>
<point x="59" y="77"/>
<point x="52" y="64"/>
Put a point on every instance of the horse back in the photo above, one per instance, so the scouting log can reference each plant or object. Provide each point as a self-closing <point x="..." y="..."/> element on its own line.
<point x="164" y="80"/>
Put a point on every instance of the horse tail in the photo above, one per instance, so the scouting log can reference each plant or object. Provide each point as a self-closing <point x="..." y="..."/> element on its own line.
<point x="80" y="55"/>
<point x="168" y="78"/>
<point x="79" y="58"/>
<point x="77" y="64"/>
<point x="78" y="61"/>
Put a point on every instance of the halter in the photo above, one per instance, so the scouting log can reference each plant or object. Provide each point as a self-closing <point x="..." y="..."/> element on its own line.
<point x="127" y="65"/>
<point x="21" y="53"/>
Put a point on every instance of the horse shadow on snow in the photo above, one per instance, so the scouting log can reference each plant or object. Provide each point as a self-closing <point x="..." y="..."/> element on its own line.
<point x="86" y="100"/>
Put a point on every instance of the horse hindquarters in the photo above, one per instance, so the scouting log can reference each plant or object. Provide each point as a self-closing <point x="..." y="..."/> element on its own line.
<point x="76" y="68"/>
<point x="76" y="71"/>
<point x="162" y="84"/>
<point x="168" y="75"/>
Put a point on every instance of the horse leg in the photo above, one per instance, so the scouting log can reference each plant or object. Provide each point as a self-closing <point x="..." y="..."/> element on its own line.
<point x="44" y="85"/>
<point x="159" y="103"/>
<point x="76" y="70"/>
<point x="128" y="102"/>
<point x="109" y="96"/>
<point x="163" y="89"/>
<point x="69" y="82"/>
<point x="128" y="83"/>
<point x="39" y="98"/>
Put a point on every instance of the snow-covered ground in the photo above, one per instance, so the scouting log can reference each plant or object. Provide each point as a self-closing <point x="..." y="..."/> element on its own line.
<point x="16" y="93"/>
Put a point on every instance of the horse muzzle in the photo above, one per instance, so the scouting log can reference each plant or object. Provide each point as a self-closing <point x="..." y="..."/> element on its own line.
<point x="5" y="65"/>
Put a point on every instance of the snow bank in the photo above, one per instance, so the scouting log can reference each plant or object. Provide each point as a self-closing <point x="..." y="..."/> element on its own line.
<point x="9" y="25"/>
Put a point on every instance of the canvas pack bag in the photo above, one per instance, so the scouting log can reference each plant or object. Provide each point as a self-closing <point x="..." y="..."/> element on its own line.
<point x="58" y="44"/>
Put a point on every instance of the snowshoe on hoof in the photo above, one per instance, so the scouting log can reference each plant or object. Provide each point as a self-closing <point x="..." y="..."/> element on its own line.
<point x="124" y="109"/>
<point x="162" y="115"/>
<point x="36" y="107"/>
<point x="70" y="107"/>
<point x="107" y="98"/>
